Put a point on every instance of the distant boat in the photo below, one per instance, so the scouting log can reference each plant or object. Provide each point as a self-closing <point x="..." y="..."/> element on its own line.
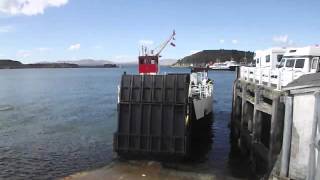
<point x="224" y="66"/>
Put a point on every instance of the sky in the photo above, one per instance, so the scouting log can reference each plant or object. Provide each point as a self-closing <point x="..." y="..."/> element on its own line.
<point x="52" y="30"/>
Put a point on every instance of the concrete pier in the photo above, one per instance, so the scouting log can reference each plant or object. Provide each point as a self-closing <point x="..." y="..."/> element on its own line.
<point x="257" y="123"/>
<point x="279" y="129"/>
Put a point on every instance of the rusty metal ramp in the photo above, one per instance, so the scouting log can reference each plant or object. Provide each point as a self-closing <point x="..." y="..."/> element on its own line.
<point x="153" y="113"/>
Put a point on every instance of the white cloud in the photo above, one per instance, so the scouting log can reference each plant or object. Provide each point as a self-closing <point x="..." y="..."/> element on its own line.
<point x="146" y="42"/>
<point x="74" y="47"/>
<point x="97" y="47"/>
<point x="23" y="53"/>
<point x="27" y="53"/>
<point x="43" y="49"/>
<point x="234" y="41"/>
<point x="121" y="56"/>
<point x="124" y="59"/>
<point x="28" y="7"/>
<point x="221" y="41"/>
<point x="290" y="42"/>
<point x="7" y="28"/>
<point x="281" y="39"/>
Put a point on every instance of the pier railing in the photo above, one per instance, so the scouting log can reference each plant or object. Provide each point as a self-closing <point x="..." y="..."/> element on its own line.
<point x="275" y="78"/>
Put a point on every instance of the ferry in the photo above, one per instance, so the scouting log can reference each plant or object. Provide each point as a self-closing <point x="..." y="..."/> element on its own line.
<point x="226" y="66"/>
<point x="156" y="112"/>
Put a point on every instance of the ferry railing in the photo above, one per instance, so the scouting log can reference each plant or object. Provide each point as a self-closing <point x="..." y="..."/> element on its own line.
<point x="201" y="90"/>
<point x="205" y="90"/>
<point x="199" y="87"/>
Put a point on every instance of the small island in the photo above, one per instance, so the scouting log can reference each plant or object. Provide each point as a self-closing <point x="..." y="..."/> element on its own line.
<point x="11" y="64"/>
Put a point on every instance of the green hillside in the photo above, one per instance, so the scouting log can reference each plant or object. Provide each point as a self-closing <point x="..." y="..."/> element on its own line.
<point x="212" y="56"/>
<point x="9" y="64"/>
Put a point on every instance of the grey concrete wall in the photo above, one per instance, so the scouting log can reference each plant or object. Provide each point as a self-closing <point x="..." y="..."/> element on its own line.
<point x="303" y="113"/>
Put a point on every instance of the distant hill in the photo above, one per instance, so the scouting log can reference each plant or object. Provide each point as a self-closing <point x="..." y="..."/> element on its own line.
<point x="51" y="65"/>
<point x="167" y="62"/>
<point x="87" y="62"/>
<point x="11" y="64"/>
<point x="211" y="56"/>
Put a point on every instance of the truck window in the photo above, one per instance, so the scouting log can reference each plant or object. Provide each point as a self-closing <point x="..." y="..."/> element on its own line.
<point x="279" y="57"/>
<point x="282" y="63"/>
<point x="268" y="58"/>
<point x="299" y="63"/>
<point x="290" y="63"/>
<point x="314" y="64"/>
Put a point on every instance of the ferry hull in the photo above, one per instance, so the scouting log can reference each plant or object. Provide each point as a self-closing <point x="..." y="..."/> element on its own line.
<point x="202" y="107"/>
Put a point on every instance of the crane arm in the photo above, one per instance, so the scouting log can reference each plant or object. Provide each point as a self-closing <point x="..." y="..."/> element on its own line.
<point x="164" y="45"/>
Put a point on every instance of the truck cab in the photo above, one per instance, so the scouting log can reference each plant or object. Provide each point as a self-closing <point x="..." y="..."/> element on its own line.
<point x="299" y="61"/>
<point x="277" y="67"/>
<point x="269" y="58"/>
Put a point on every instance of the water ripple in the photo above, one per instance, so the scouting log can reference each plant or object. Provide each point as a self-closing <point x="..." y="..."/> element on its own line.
<point x="6" y="107"/>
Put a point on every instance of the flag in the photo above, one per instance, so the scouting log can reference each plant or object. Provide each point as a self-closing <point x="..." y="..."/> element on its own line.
<point x="172" y="44"/>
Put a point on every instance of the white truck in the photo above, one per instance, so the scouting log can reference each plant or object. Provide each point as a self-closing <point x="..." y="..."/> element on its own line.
<point x="299" y="61"/>
<point x="276" y="67"/>
<point x="269" y="58"/>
